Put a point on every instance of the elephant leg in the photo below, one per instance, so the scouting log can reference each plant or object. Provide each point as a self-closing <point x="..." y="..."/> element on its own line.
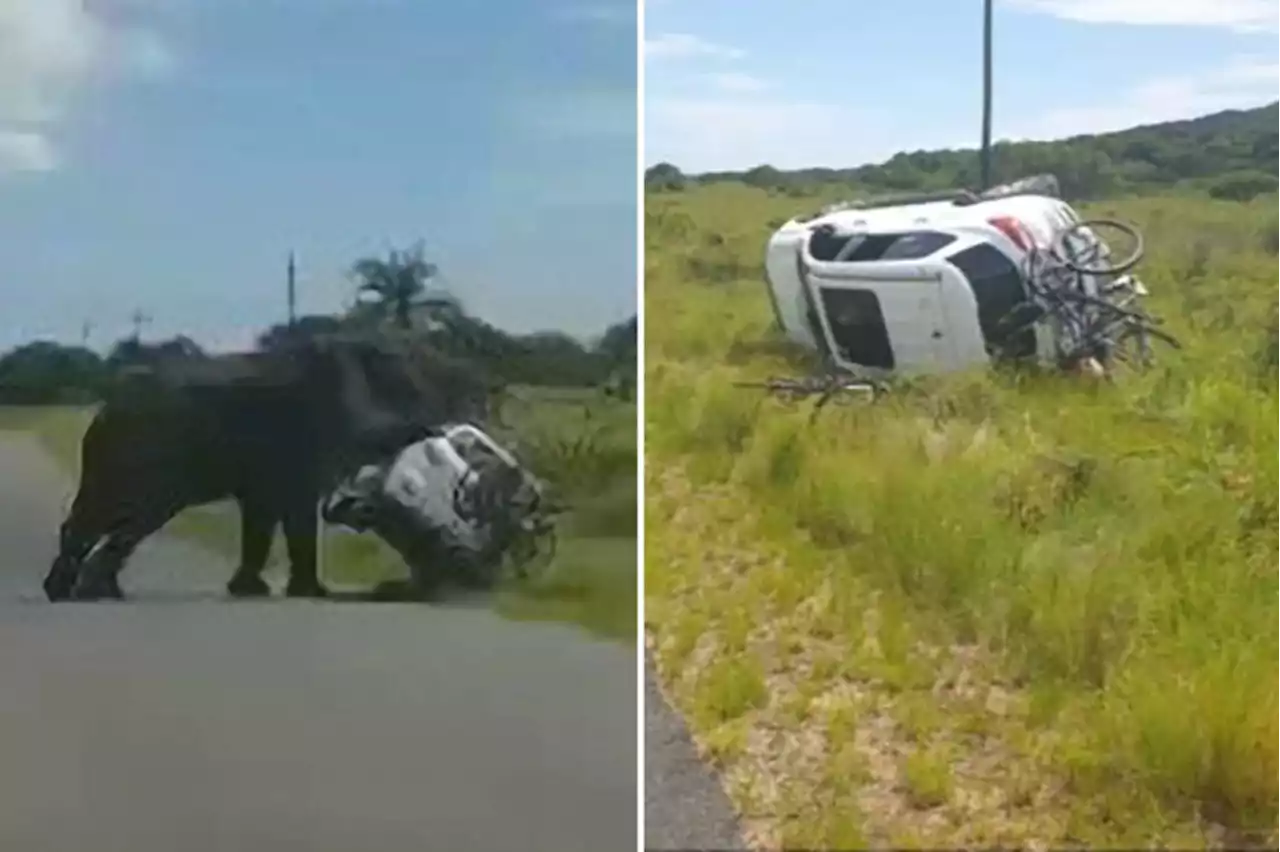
<point x="257" y="528"/>
<point x="301" y="527"/>
<point x="92" y="512"/>
<point x="78" y="535"/>
<point x="100" y="576"/>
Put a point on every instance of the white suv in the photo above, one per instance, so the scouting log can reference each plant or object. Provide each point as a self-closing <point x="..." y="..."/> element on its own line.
<point x="457" y="507"/>
<point x="927" y="284"/>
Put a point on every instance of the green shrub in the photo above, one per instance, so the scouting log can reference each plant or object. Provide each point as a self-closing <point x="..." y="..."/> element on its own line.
<point x="1242" y="186"/>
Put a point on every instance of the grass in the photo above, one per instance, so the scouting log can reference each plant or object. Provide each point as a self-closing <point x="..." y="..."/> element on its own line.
<point x="1014" y="610"/>
<point x="583" y="442"/>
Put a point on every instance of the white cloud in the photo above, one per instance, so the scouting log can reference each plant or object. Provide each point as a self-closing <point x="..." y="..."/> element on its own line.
<point x="714" y="133"/>
<point x="24" y="151"/>
<point x="1242" y="15"/>
<point x="722" y="132"/>
<point x="736" y="81"/>
<point x="52" y="52"/>
<point x="1244" y="83"/>
<point x="686" y="46"/>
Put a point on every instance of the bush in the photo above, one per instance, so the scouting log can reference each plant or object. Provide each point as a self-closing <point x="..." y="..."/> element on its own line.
<point x="1269" y="236"/>
<point x="585" y="448"/>
<point x="1242" y="186"/>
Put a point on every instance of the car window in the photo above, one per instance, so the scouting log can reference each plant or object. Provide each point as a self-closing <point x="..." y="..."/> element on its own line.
<point x="998" y="289"/>
<point x="916" y="245"/>
<point x="827" y="244"/>
<point x="475" y="452"/>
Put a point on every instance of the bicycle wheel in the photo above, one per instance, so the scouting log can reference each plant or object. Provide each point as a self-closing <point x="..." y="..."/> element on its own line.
<point x="1132" y="349"/>
<point x="1076" y="262"/>
<point x="790" y="393"/>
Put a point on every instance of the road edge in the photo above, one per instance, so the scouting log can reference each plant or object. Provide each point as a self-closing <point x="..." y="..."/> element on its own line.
<point x="685" y="803"/>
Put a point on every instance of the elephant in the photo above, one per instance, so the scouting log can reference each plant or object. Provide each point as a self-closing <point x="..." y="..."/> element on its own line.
<point x="272" y="431"/>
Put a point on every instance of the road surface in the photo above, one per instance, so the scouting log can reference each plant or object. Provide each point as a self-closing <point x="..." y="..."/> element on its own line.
<point x="179" y="720"/>
<point x="685" y="806"/>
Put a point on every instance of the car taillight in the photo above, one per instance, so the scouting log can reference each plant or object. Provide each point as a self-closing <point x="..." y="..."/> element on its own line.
<point x="1012" y="229"/>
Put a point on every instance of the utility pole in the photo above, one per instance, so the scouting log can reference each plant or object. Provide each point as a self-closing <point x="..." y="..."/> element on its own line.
<point x="984" y="161"/>
<point x="293" y="292"/>
<point x="139" y="319"/>
<point x="86" y="328"/>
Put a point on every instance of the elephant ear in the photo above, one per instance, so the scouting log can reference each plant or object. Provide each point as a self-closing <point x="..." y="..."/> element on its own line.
<point x="356" y="425"/>
<point x="459" y="389"/>
<point x="401" y="381"/>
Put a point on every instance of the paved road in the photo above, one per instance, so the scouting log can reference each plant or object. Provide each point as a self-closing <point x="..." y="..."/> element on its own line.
<point x="178" y="720"/>
<point x="684" y="805"/>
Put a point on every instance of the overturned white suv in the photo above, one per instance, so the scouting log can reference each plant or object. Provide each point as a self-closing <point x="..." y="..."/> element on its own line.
<point x="459" y="508"/>
<point x="948" y="281"/>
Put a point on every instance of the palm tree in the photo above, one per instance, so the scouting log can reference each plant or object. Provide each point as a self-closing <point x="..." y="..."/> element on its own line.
<point x="399" y="284"/>
<point x="984" y="161"/>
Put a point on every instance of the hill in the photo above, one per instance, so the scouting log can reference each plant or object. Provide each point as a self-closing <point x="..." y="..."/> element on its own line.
<point x="1231" y="155"/>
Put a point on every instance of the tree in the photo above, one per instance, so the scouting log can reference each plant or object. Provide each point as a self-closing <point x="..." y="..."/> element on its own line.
<point x="44" y="372"/>
<point x="560" y="359"/>
<point x="1242" y="186"/>
<point x="764" y="176"/>
<point x="618" y="344"/>
<point x="664" y="176"/>
<point x="399" y="284"/>
<point x="618" y="347"/>
<point x="131" y="352"/>
<point x="1189" y="154"/>
<point x="465" y="336"/>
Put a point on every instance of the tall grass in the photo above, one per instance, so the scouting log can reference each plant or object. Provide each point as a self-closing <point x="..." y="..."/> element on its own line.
<point x="1115" y="547"/>
<point x="585" y="446"/>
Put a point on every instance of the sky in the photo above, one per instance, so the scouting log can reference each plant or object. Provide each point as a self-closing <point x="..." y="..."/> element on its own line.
<point x="164" y="156"/>
<point x="732" y="84"/>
